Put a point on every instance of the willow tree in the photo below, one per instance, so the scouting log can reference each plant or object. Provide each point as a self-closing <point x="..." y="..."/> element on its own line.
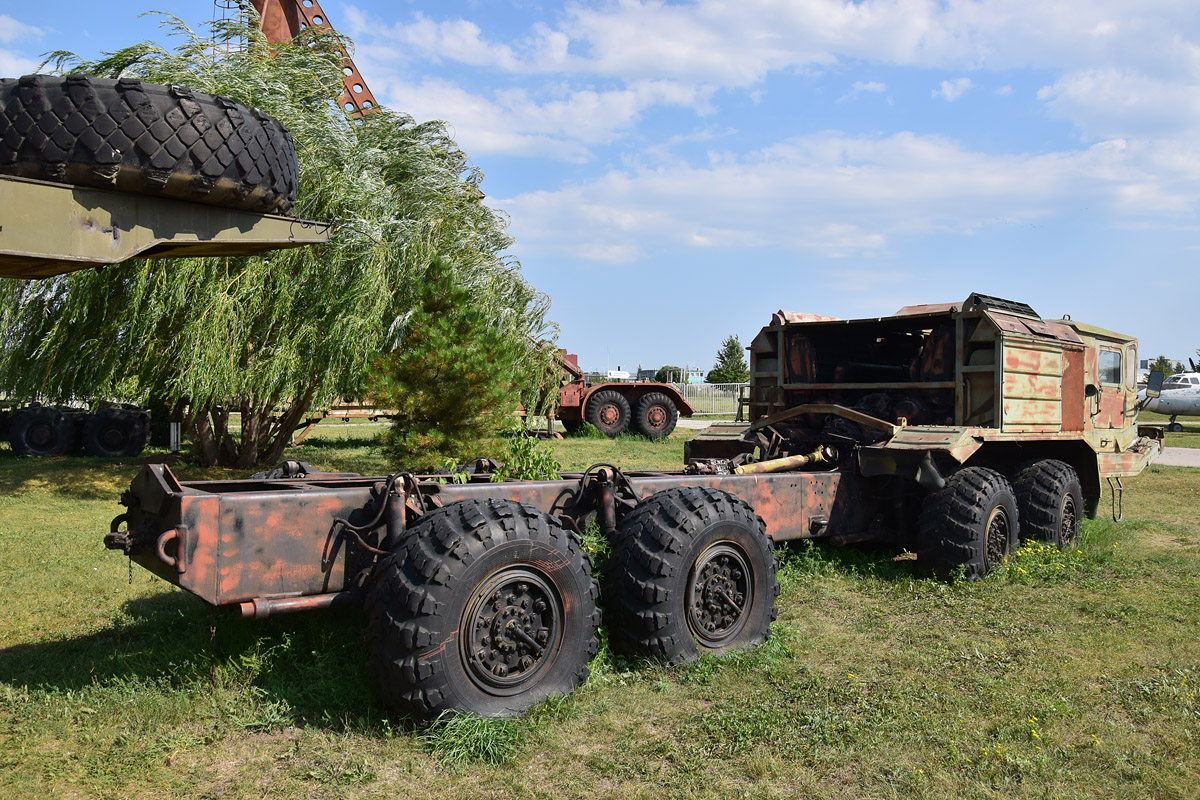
<point x="272" y="336"/>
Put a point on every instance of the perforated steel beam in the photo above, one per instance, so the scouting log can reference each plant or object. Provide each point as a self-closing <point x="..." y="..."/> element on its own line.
<point x="282" y="20"/>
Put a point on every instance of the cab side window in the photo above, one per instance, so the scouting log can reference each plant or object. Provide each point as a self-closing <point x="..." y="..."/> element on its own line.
<point x="1110" y="366"/>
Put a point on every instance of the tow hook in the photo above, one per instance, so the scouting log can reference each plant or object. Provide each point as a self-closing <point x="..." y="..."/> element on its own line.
<point x="117" y="539"/>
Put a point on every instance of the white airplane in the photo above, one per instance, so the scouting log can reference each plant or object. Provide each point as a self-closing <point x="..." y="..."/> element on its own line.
<point x="1180" y="396"/>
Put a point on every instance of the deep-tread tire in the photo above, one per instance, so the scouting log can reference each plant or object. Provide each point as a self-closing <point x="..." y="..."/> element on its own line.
<point x="167" y="141"/>
<point x="115" y="433"/>
<point x="42" y="431"/>
<point x="675" y="567"/>
<point x="426" y="601"/>
<point x="572" y="426"/>
<point x="1049" y="501"/>
<point x="609" y="411"/>
<point x="970" y="524"/>
<point x="655" y="415"/>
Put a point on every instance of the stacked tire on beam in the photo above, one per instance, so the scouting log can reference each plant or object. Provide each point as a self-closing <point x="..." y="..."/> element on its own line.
<point x="142" y="138"/>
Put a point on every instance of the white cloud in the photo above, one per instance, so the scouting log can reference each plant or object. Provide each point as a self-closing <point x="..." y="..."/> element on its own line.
<point x="11" y="30"/>
<point x="703" y="46"/>
<point x="835" y="196"/>
<point x="713" y="41"/>
<point x="1118" y="102"/>
<point x="952" y="90"/>
<point x="13" y="64"/>
<point x="556" y="121"/>
<point x="863" y="86"/>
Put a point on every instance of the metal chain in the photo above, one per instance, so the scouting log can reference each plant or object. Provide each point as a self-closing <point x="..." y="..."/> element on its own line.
<point x="212" y="648"/>
<point x="130" y="562"/>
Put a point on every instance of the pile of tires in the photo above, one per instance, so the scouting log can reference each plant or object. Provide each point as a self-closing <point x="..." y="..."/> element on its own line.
<point x="166" y="141"/>
<point x="113" y="432"/>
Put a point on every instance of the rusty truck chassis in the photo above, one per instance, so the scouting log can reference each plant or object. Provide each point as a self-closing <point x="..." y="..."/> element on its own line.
<point x="309" y="539"/>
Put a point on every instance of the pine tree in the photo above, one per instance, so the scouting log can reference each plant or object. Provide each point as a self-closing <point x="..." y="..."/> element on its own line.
<point x="731" y="363"/>
<point x="452" y="377"/>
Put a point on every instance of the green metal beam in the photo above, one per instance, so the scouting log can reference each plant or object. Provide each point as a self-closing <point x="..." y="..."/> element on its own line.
<point x="50" y="228"/>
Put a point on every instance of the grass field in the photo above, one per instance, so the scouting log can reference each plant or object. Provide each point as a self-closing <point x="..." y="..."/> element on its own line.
<point x="1068" y="675"/>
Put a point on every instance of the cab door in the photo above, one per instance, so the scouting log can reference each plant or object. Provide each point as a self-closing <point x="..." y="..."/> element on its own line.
<point x="1110" y="405"/>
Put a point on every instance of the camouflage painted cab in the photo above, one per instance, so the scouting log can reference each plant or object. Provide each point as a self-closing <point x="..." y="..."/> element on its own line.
<point x="1048" y="407"/>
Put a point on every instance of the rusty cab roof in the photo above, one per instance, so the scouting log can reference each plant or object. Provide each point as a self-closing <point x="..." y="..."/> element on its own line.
<point x="1012" y="317"/>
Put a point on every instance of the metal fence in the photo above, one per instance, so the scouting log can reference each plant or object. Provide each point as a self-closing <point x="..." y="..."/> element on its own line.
<point x="710" y="399"/>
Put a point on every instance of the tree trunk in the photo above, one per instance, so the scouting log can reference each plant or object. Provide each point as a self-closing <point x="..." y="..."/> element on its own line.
<point x="287" y="425"/>
<point x="253" y="420"/>
<point x="262" y="440"/>
<point x="205" y="436"/>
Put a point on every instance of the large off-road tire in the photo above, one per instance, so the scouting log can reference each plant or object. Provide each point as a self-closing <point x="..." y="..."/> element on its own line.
<point x="970" y="524"/>
<point x="116" y="433"/>
<point x="42" y="431"/>
<point x="486" y="606"/>
<point x="1049" y="501"/>
<point x="167" y="141"/>
<point x="655" y="415"/>
<point x="692" y="572"/>
<point x="608" y="410"/>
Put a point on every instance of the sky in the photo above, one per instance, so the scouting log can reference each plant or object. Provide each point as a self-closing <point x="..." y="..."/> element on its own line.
<point x="675" y="172"/>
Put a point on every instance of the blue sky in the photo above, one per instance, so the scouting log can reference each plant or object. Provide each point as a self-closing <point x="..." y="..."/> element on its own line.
<point x="675" y="172"/>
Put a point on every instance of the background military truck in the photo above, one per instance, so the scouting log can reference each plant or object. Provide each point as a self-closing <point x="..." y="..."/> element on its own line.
<point x="651" y="409"/>
<point x="949" y="429"/>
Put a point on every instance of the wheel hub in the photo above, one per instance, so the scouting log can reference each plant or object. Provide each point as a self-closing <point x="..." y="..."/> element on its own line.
<point x="513" y="628"/>
<point x="40" y="436"/>
<point x="112" y="438"/>
<point x="1068" y="521"/>
<point x="997" y="536"/>
<point x="656" y="417"/>
<point x="609" y="414"/>
<point x="720" y="591"/>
